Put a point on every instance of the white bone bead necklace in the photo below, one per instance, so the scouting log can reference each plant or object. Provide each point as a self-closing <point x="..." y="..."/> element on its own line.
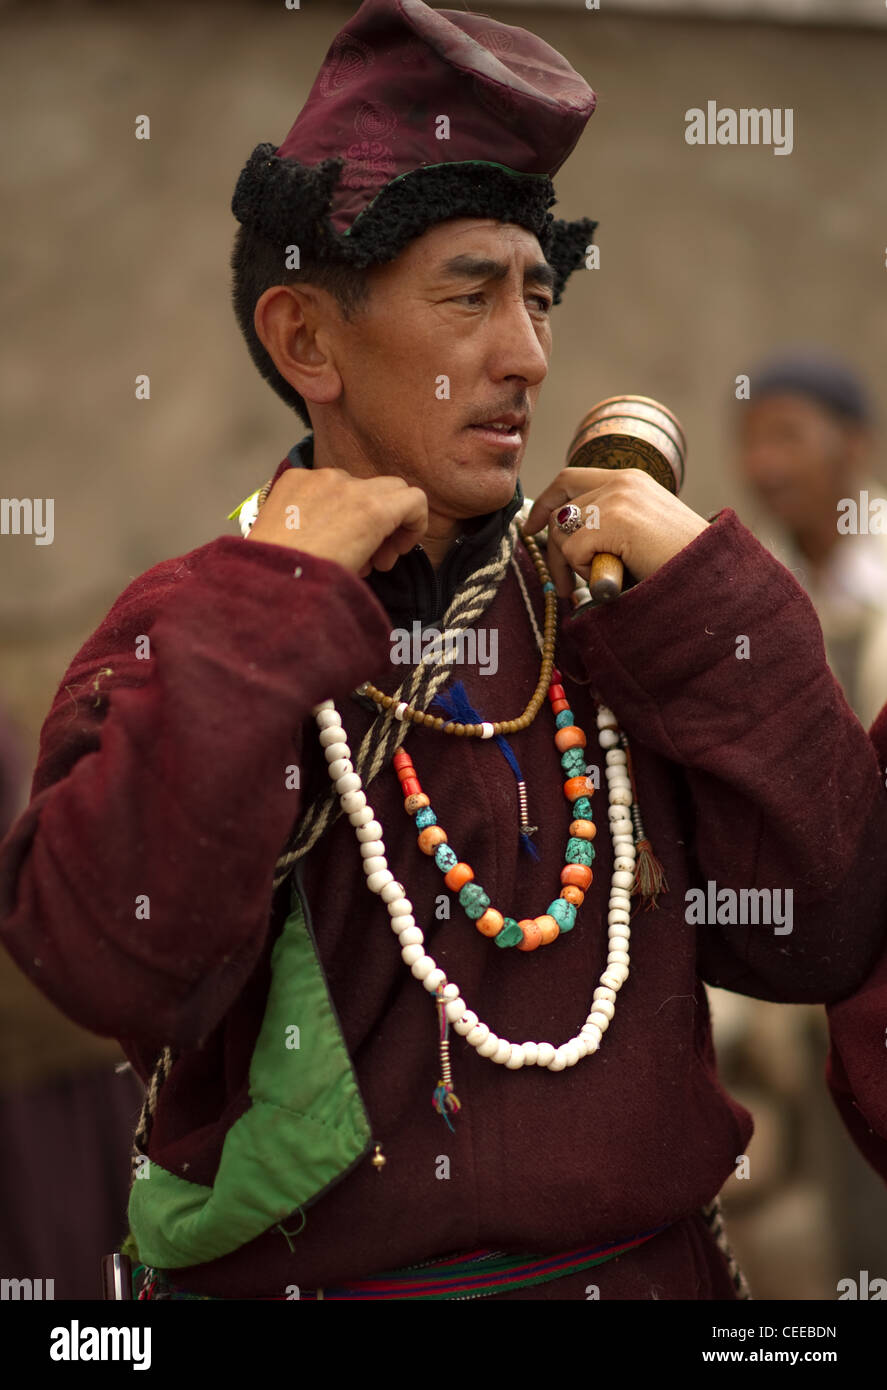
<point x="381" y="880"/>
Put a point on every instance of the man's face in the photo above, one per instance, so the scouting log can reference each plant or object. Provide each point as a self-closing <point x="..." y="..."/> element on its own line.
<point x="794" y="455"/>
<point x="456" y="332"/>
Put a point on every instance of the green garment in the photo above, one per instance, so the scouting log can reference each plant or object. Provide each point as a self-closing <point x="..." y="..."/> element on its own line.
<point x="306" y="1128"/>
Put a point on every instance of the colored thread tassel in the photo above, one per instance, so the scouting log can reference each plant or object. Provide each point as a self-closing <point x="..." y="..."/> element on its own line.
<point x="649" y="875"/>
<point x="454" y="703"/>
<point x="444" y="1097"/>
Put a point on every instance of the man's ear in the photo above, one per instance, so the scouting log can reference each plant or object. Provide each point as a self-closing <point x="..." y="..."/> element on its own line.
<point x="291" y="323"/>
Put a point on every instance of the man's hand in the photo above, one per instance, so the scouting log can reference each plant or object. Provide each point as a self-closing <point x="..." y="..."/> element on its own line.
<point x="637" y="519"/>
<point x="362" y="523"/>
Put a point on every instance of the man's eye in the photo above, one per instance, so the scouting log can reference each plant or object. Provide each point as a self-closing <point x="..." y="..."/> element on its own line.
<point x="474" y="295"/>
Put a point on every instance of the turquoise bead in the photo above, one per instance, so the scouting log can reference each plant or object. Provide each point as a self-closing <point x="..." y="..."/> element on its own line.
<point x="444" y="858"/>
<point x="579" y="851"/>
<point x="474" y="900"/>
<point x="510" y="933"/>
<point x="564" y="720"/>
<point x="582" y="809"/>
<point x="573" y="762"/>
<point x="425" y="816"/>
<point x="564" y="913"/>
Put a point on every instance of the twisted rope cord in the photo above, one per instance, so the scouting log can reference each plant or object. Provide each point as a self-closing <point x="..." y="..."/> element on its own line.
<point x="714" y="1217"/>
<point x="162" y="1068"/>
<point x="378" y="747"/>
<point x="418" y="689"/>
<point x="526" y="597"/>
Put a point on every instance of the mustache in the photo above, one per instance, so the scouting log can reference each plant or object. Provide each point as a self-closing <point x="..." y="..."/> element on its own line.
<point x="518" y="407"/>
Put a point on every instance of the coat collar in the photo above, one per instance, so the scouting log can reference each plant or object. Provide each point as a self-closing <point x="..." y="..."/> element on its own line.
<point x="411" y="590"/>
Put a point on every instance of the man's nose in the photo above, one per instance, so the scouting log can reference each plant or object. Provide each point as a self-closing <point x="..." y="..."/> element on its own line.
<point x="516" y="347"/>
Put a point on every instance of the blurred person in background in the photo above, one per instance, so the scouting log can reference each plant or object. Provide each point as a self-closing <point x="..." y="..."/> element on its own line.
<point x="66" y="1117"/>
<point x="806" y="451"/>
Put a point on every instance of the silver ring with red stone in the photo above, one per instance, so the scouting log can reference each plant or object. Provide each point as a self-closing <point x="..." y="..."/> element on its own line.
<point x="569" y="518"/>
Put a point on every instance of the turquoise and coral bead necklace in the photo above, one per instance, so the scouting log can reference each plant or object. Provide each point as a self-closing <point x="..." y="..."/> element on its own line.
<point x="625" y="824"/>
<point x="560" y="916"/>
<point x="452" y="1008"/>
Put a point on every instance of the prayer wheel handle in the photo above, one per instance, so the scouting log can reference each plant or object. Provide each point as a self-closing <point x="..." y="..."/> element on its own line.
<point x="627" y="432"/>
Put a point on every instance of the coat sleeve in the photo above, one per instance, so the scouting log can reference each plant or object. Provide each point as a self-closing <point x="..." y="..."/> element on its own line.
<point x="136" y="885"/>
<point x="716" y="663"/>
<point x="856" y="1069"/>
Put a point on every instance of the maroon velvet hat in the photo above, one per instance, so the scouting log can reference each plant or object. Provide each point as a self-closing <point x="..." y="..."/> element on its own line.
<point x="416" y="116"/>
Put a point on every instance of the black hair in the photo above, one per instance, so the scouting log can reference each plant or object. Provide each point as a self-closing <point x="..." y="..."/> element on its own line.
<point x="825" y="379"/>
<point x="256" y="265"/>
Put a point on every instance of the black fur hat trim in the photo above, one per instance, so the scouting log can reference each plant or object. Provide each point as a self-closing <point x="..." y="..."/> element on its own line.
<point x="288" y="203"/>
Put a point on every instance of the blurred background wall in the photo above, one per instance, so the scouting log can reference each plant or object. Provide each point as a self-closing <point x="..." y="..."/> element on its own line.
<point x="114" y="253"/>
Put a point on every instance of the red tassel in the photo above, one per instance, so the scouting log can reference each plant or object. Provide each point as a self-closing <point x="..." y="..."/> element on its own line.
<point x="649" y="877"/>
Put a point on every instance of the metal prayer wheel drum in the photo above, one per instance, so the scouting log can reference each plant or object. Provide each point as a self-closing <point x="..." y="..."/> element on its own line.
<point x="631" y="432"/>
<point x="628" y="432"/>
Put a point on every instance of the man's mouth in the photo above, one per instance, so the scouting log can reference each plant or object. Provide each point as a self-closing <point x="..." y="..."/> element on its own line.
<point x="504" y="430"/>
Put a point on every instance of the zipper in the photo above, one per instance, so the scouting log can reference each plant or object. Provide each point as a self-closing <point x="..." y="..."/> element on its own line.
<point x="438" y="585"/>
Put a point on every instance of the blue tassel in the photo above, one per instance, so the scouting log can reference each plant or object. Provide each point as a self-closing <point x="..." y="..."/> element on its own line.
<point x="455" y="704"/>
<point x="528" y="845"/>
<point x="440" y="1101"/>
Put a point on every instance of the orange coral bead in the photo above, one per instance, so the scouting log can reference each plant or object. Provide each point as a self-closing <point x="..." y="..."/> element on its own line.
<point x="415" y="802"/>
<point x="549" y="928"/>
<point x="583" y="829"/>
<point x="431" y="837"/>
<point x="532" y="934"/>
<point x="578" y="874"/>
<point x="491" y="922"/>
<point x="569" y="737"/>
<point x="573" y="895"/>
<point x="556" y="707"/>
<point x="458" y="876"/>
<point x="574" y="787"/>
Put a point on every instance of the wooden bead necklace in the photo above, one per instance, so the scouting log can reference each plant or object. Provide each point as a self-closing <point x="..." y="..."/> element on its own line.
<point x="627" y="875"/>
<point x="528" y="933"/>
<point x="507" y="726"/>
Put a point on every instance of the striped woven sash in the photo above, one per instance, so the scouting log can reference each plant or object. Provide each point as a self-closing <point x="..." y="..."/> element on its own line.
<point x="476" y="1274"/>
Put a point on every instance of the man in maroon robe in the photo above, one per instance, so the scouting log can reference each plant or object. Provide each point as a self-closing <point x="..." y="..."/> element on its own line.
<point x="165" y="770"/>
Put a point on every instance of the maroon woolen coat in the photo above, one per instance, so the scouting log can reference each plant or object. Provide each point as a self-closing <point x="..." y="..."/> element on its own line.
<point x="168" y="778"/>
<point x="857" y="1061"/>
